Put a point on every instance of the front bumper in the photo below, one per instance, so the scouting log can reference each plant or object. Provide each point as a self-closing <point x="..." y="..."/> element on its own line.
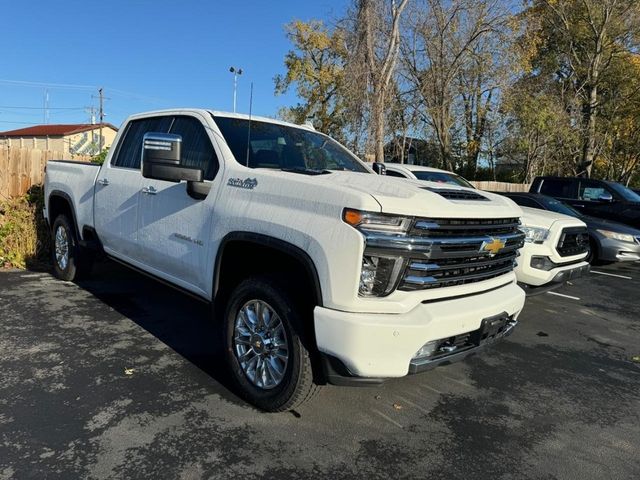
<point x="558" y="277"/>
<point x="378" y="346"/>
<point x="612" y="250"/>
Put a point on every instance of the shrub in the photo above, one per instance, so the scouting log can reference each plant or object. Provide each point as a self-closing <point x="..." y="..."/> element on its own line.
<point x="24" y="236"/>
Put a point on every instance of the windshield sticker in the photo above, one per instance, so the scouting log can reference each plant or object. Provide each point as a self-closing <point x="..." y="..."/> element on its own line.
<point x="248" y="183"/>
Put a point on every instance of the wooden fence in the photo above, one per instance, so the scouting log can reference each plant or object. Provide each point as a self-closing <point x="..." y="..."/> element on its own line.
<point x="20" y="168"/>
<point x="502" y="186"/>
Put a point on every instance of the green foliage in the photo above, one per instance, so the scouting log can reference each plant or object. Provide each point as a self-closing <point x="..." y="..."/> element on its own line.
<point x="24" y="237"/>
<point x="101" y="157"/>
<point x="316" y="67"/>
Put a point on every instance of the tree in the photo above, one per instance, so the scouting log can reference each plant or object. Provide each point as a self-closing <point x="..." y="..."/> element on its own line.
<point x="377" y="44"/>
<point x="316" y="67"/>
<point x="443" y="55"/>
<point x="578" y="42"/>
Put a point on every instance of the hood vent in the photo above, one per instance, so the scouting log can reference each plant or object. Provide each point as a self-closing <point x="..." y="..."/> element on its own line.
<point x="457" y="194"/>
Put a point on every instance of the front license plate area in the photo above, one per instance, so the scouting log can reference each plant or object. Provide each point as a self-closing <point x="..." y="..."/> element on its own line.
<point x="491" y="328"/>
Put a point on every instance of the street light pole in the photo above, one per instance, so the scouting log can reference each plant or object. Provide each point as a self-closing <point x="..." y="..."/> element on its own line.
<point x="236" y="72"/>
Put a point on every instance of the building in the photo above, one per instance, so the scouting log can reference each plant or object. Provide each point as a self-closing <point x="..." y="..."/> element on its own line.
<point x="74" y="139"/>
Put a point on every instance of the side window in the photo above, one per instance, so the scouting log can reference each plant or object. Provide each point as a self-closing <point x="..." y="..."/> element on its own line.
<point x="197" y="151"/>
<point x="559" y="187"/>
<point x="392" y="173"/>
<point x="130" y="149"/>
<point x="590" y="190"/>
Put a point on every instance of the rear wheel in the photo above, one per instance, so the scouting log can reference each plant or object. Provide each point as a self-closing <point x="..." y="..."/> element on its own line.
<point x="264" y="345"/>
<point x="70" y="261"/>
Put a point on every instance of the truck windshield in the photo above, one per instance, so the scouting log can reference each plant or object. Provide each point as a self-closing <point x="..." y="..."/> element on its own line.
<point x="559" y="207"/>
<point x="624" y="192"/>
<point x="285" y="148"/>
<point x="442" y="177"/>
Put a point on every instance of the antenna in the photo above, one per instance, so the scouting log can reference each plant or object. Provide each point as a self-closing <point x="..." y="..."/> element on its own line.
<point x="249" y="129"/>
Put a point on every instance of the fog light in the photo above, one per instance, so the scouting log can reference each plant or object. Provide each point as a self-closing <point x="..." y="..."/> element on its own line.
<point x="426" y="350"/>
<point x="542" y="263"/>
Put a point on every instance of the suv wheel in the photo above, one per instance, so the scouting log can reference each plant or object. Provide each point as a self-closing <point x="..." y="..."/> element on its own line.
<point x="264" y="346"/>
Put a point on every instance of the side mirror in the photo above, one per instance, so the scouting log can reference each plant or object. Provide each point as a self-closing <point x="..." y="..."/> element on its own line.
<point x="605" y="197"/>
<point x="161" y="155"/>
<point x="379" y="168"/>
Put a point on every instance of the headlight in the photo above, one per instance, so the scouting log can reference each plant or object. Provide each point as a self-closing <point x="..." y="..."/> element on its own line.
<point x="379" y="275"/>
<point x="623" y="237"/>
<point x="377" y="222"/>
<point x="535" y="234"/>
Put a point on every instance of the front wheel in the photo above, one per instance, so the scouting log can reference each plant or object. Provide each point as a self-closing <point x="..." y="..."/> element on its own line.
<point x="263" y="335"/>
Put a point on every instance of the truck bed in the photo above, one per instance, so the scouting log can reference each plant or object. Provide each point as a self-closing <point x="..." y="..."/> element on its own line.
<point x="75" y="180"/>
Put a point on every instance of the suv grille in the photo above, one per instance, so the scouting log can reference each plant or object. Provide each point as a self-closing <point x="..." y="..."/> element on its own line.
<point x="464" y="251"/>
<point x="573" y="241"/>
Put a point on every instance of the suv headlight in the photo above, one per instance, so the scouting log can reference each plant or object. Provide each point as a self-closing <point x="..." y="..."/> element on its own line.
<point x="379" y="273"/>
<point x="623" y="237"/>
<point x="535" y="234"/>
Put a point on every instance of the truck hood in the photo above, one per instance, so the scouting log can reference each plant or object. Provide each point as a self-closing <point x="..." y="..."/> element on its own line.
<point x="533" y="217"/>
<point x="420" y="198"/>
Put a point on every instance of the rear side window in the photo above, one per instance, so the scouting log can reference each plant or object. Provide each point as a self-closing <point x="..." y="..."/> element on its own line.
<point x="197" y="151"/>
<point x="130" y="149"/>
<point x="559" y="187"/>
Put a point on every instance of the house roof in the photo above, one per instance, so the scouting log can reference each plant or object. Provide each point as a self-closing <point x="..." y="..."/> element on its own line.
<point x="54" y="130"/>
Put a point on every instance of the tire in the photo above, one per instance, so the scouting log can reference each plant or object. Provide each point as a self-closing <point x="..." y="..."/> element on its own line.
<point x="270" y="365"/>
<point x="70" y="261"/>
<point x="592" y="256"/>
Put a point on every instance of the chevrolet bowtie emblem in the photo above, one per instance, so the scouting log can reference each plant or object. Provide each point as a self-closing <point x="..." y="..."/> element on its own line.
<point x="492" y="246"/>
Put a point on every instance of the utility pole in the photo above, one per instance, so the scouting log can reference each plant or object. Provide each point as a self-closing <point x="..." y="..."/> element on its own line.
<point x="101" y="116"/>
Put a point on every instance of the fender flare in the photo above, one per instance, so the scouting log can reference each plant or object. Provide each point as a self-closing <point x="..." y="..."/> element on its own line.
<point x="65" y="196"/>
<point x="270" y="242"/>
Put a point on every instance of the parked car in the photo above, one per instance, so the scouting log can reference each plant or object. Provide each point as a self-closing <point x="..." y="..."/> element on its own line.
<point x="555" y="250"/>
<point x="417" y="172"/>
<point x="596" y="198"/>
<point x="609" y="241"/>
<point x="318" y="270"/>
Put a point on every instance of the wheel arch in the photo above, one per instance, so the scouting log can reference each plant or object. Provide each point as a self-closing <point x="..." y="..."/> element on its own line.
<point x="60" y="203"/>
<point x="234" y="242"/>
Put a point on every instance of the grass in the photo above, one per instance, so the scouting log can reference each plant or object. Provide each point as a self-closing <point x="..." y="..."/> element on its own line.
<point x="24" y="236"/>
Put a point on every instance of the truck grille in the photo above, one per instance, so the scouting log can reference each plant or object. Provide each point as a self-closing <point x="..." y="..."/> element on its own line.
<point x="462" y="251"/>
<point x="573" y="241"/>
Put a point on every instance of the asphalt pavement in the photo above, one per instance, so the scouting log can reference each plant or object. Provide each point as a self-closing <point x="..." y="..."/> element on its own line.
<point x="122" y="377"/>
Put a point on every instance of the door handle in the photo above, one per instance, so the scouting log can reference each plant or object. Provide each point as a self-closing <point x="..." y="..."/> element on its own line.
<point x="104" y="182"/>
<point x="149" y="190"/>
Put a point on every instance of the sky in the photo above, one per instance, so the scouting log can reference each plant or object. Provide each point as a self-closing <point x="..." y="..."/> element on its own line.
<point x="146" y="55"/>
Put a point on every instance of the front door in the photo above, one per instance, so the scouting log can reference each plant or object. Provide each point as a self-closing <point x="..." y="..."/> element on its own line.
<point x="174" y="227"/>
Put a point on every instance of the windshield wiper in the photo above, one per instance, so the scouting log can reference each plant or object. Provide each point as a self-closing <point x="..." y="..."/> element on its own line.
<point x="306" y="171"/>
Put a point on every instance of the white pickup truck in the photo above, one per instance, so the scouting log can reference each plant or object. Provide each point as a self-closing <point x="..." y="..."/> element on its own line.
<point x="318" y="270"/>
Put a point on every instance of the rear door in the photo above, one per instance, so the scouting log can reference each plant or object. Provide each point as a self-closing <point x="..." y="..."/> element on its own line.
<point x="174" y="226"/>
<point x="565" y="189"/>
<point x="117" y="192"/>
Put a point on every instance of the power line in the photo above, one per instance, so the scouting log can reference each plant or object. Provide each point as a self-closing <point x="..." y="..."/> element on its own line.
<point x="16" y="107"/>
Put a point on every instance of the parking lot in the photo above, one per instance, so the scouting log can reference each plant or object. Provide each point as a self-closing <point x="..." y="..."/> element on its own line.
<point x="122" y="377"/>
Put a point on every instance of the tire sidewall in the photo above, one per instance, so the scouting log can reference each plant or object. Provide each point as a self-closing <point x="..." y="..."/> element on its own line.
<point x="69" y="272"/>
<point x="273" y="294"/>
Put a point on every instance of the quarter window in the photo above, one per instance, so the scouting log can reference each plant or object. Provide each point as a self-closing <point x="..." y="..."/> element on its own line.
<point x="556" y="187"/>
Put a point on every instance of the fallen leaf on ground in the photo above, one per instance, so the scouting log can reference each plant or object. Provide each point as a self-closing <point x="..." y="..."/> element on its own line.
<point x="397" y="406"/>
<point x="636" y="358"/>
<point x="128" y="371"/>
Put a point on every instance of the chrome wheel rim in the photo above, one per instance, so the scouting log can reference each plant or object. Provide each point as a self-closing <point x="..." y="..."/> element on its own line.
<point x="62" y="247"/>
<point x="260" y="344"/>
